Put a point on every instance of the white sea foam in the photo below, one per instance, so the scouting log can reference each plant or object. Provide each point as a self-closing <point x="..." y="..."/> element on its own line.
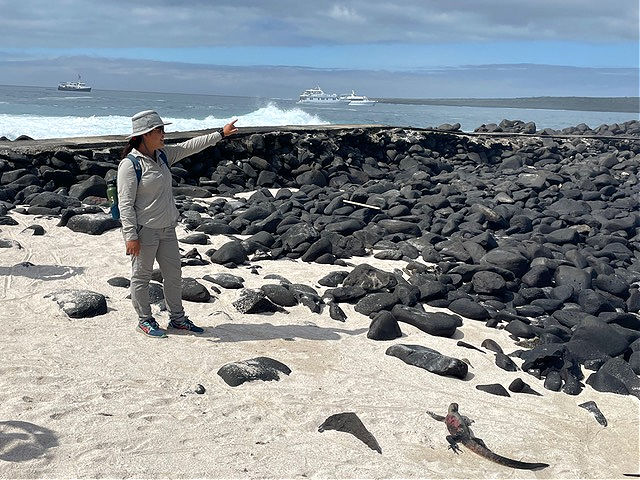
<point x="12" y="126"/>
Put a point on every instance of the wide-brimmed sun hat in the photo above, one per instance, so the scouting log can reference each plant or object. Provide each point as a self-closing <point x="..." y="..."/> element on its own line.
<point x="144" y="122"/>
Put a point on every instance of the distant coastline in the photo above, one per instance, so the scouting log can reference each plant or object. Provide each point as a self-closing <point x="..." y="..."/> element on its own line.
<point x="585" y="104"/>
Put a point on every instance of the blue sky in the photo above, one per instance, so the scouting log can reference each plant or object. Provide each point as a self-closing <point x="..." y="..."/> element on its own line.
<point x="198" y="39"/>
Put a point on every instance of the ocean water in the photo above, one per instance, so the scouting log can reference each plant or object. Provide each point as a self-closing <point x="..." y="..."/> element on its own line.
<point x="48" y="113"/>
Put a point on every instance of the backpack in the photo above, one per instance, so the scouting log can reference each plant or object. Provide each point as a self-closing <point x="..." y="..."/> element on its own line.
<point x="138" y="168"/>
<point x="113" y="194"/>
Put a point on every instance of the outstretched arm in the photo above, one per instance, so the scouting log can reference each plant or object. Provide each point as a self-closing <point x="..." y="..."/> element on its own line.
<point x="177" y="152"/>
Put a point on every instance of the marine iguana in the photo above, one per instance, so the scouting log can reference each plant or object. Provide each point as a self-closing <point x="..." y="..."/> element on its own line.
<point x="458" y="426"/>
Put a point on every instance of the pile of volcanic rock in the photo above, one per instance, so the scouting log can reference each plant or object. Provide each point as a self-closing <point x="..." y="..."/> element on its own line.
<point x="537" y="235"/>
<point x="630" y="128"/>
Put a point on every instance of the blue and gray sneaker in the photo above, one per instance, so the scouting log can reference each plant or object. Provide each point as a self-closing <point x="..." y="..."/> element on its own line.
<point x="185" y="324"/>
<point x="151" y="329"/>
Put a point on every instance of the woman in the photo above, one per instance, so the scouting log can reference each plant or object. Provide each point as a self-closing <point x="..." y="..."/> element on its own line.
<point x="149" y="215"/>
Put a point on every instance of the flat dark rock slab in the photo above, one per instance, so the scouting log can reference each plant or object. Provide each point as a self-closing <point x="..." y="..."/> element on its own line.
<point x="430" y="360"/>
<point x="259" y="368"/>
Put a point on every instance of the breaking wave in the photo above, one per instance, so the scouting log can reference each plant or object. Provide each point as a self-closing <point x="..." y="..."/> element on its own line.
<point x="39" y="127"/>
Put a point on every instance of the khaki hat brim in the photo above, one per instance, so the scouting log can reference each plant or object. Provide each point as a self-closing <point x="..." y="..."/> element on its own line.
<point x="137" y="134"/>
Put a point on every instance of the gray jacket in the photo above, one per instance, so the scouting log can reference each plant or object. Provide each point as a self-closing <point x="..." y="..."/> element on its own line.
<point x="150" y="203"/>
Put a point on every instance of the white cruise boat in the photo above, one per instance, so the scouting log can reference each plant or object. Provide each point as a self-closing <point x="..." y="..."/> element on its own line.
<point x="353" y="99"/>
<point x="74" y="86"/>
<point x="316" y="95"/>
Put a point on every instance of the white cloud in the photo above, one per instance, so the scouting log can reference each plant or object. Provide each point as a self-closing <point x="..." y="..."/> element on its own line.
<point x="342" y="13"/>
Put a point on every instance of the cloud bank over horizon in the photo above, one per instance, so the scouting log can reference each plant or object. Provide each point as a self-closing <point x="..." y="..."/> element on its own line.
<point x="479" y="81"/>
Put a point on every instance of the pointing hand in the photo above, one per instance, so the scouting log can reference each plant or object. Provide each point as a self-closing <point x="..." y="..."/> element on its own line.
<point x="229" y="128"/>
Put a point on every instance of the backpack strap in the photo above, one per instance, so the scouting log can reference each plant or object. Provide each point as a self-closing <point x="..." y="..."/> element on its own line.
<point x="163" y="157"/>
<point x="136" y="166"/>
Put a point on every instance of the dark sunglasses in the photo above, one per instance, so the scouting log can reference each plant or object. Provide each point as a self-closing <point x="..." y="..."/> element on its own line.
<point x="160" y="128"/>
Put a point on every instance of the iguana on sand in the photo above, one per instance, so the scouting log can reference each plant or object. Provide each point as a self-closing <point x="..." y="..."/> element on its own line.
<point x="458" y="427"/>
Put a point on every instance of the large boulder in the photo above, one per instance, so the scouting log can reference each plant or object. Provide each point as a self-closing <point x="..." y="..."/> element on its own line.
<point x="94" y="186"/>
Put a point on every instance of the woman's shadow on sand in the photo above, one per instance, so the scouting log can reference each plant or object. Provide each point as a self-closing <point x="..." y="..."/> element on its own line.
<point x="243" y="332"/>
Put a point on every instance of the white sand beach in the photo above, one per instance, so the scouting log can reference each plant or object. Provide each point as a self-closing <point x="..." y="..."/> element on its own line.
<point x="92" y="398"/>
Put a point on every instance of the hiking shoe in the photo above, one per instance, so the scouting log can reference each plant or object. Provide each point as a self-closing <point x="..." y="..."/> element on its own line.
<point x="185" y="324"/>
<point x="151" y="329"/>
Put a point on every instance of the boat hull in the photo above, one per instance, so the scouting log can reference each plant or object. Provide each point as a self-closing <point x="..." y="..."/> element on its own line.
<point x="69" y="89"/>
<point x="318" y="102"/>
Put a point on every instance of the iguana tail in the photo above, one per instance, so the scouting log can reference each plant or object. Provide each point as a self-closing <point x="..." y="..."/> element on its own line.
<point x="499" y="459"/>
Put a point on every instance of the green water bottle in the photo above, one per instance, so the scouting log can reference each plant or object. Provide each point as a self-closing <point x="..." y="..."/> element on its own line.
<point x="112" y="195"/>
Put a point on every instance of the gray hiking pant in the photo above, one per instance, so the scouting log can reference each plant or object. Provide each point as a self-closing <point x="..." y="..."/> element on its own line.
<point x="159" y="244"/>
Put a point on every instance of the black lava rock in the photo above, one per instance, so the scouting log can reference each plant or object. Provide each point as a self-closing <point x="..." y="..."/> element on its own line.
<point x="280" y="295"/>
<point x="469" y="309"/>
<point x="254" y="301"/>
<point x="231" y="253"/>
<point x="505" y="363"/>
<point x="194" y="291"/>
<point x="119" y="282"/>
<point x="494" y="389"/>
<point x="384" y="326"/>
<point x="259" y="368"/>
<point x="519" y="386"/>
<point x="80" y="303"/>
<point x="225" y="280"/>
